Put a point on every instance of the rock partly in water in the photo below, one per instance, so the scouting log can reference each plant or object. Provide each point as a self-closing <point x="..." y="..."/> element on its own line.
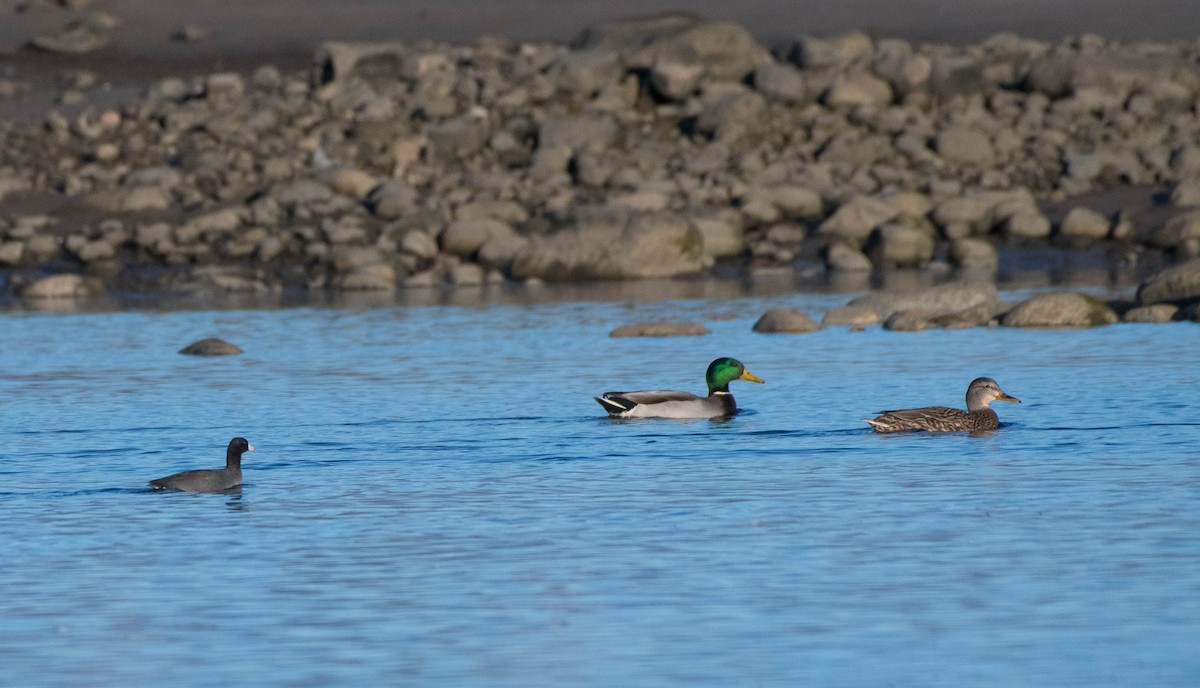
<point x="1179" y="285"/>
<point x="850" y="316"/>
<point x="660" y="329"/>
<point x="1154" y="313"/>
<point x="1061" y="309"/>
<point x="212" y="346"/>
<point x="936" y="301"/>
<point x="787" y="320"/>
<point x="909" y="321"/>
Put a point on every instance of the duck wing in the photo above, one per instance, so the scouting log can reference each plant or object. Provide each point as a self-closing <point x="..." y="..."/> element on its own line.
<point x="659" y="403"/>
<point x="933" y="418"/>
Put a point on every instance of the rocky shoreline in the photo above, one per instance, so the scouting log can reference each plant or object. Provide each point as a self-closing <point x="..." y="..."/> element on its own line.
<point x="653" y="147"/>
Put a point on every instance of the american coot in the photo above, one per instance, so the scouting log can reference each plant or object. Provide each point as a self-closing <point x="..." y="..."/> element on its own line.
<point x="978" y="416"/>
<point x="213" y="479"/>
<point x="672" y="404"/>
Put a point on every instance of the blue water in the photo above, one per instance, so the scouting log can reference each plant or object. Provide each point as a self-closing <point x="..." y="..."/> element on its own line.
<point x="436" y="500"/>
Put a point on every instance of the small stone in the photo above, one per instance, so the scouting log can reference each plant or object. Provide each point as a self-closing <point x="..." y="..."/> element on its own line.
<point x="787" y="320"/>
<point x="660" y="329"/>
<point x="211" y="346"/>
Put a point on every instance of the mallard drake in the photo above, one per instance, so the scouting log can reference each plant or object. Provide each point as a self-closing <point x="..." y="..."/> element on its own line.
<point x="672" y="404"/>
<point x="978" y="416"/>
<point x="211" y="479"/>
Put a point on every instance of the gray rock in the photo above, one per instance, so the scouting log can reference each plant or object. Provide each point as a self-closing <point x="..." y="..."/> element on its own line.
<point x="900" y="246"/>
<point x="419" y="244"/>
<point x="1084" y="223"/>
<point x="577" y="131"/>
<point x="1154" y="313"/>
<point x="130" y="200"/>
<point x="855" y="219"/>
<point x="674" y="76"/>
<point x="499" y="252"/>
<point x="587" y="71"/>
<point x="211" y="346"/>
<point x="1060" y="309"/>
<point x="974" y="254"/>
<point x="812" y="52"/>
<point x="909" y="321"/>
<point x="660" y="329"/>
<point x="1028" y="223"/>
<point x="787" y="320"/>
<point x="850" y="316"/>
<point x="721" y="230"/>
<point x="733" y="117"/>
<point x="11" y="252"/>
<point x="59" y="287"/>
<point x="858" y="87"/>
<point x="936" y="301"/>
<point x="1177" y="230"/>
<point x="955" y="75"/>
<point x="629" y="35"/>
<point x="371" y="62"/>
<point x="966" y="146"/>
<point x="458" y="138"/>
<point x="781" y="82"/>
<point x="960" y="216"/>
<point x="464" y="237"/>
<point x="722" y="50"/>
<point x="300" y="192"/>
<point x="392" y="199"/>
<point x="370" y="277"/>
<point x="1186" y="192"/>
<point x="611" y="246"/>
<point x="904" y="69"/>
<point x="1179" y="285"/>
<point x="12" y="181"/>
<point x="842" y="258"/>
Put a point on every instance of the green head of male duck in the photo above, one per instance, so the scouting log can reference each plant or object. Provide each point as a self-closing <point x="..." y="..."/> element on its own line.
<point x="725" y="370"/>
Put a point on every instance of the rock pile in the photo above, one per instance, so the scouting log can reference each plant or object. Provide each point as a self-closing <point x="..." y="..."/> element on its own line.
<point x="650" y="147"/>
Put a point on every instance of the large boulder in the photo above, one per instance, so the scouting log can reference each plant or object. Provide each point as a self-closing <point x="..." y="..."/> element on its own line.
<point x="465" y="237"/>
<point x="612" y="246"/>
<point x="1060" y="309"/>
<point x="1179" y="285"/>
<point x="941" y="300"/>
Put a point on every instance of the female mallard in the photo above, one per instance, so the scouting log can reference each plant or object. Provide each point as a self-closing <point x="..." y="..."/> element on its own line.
<point x="978" y="416"/>
<point x="671" y="404"/>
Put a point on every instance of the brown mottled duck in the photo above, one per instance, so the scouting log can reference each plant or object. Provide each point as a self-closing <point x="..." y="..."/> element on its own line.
<point x="977" y="417"/>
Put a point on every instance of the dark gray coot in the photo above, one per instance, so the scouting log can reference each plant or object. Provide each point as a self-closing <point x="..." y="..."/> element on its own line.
<point x="211" y="479"/>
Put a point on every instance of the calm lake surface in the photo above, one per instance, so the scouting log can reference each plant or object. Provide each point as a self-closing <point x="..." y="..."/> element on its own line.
<point x="436" y="500"/>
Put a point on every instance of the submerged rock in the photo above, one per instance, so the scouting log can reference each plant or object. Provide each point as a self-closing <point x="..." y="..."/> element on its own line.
<point x="660" y="329"/>
<point x="211" y="346"/>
